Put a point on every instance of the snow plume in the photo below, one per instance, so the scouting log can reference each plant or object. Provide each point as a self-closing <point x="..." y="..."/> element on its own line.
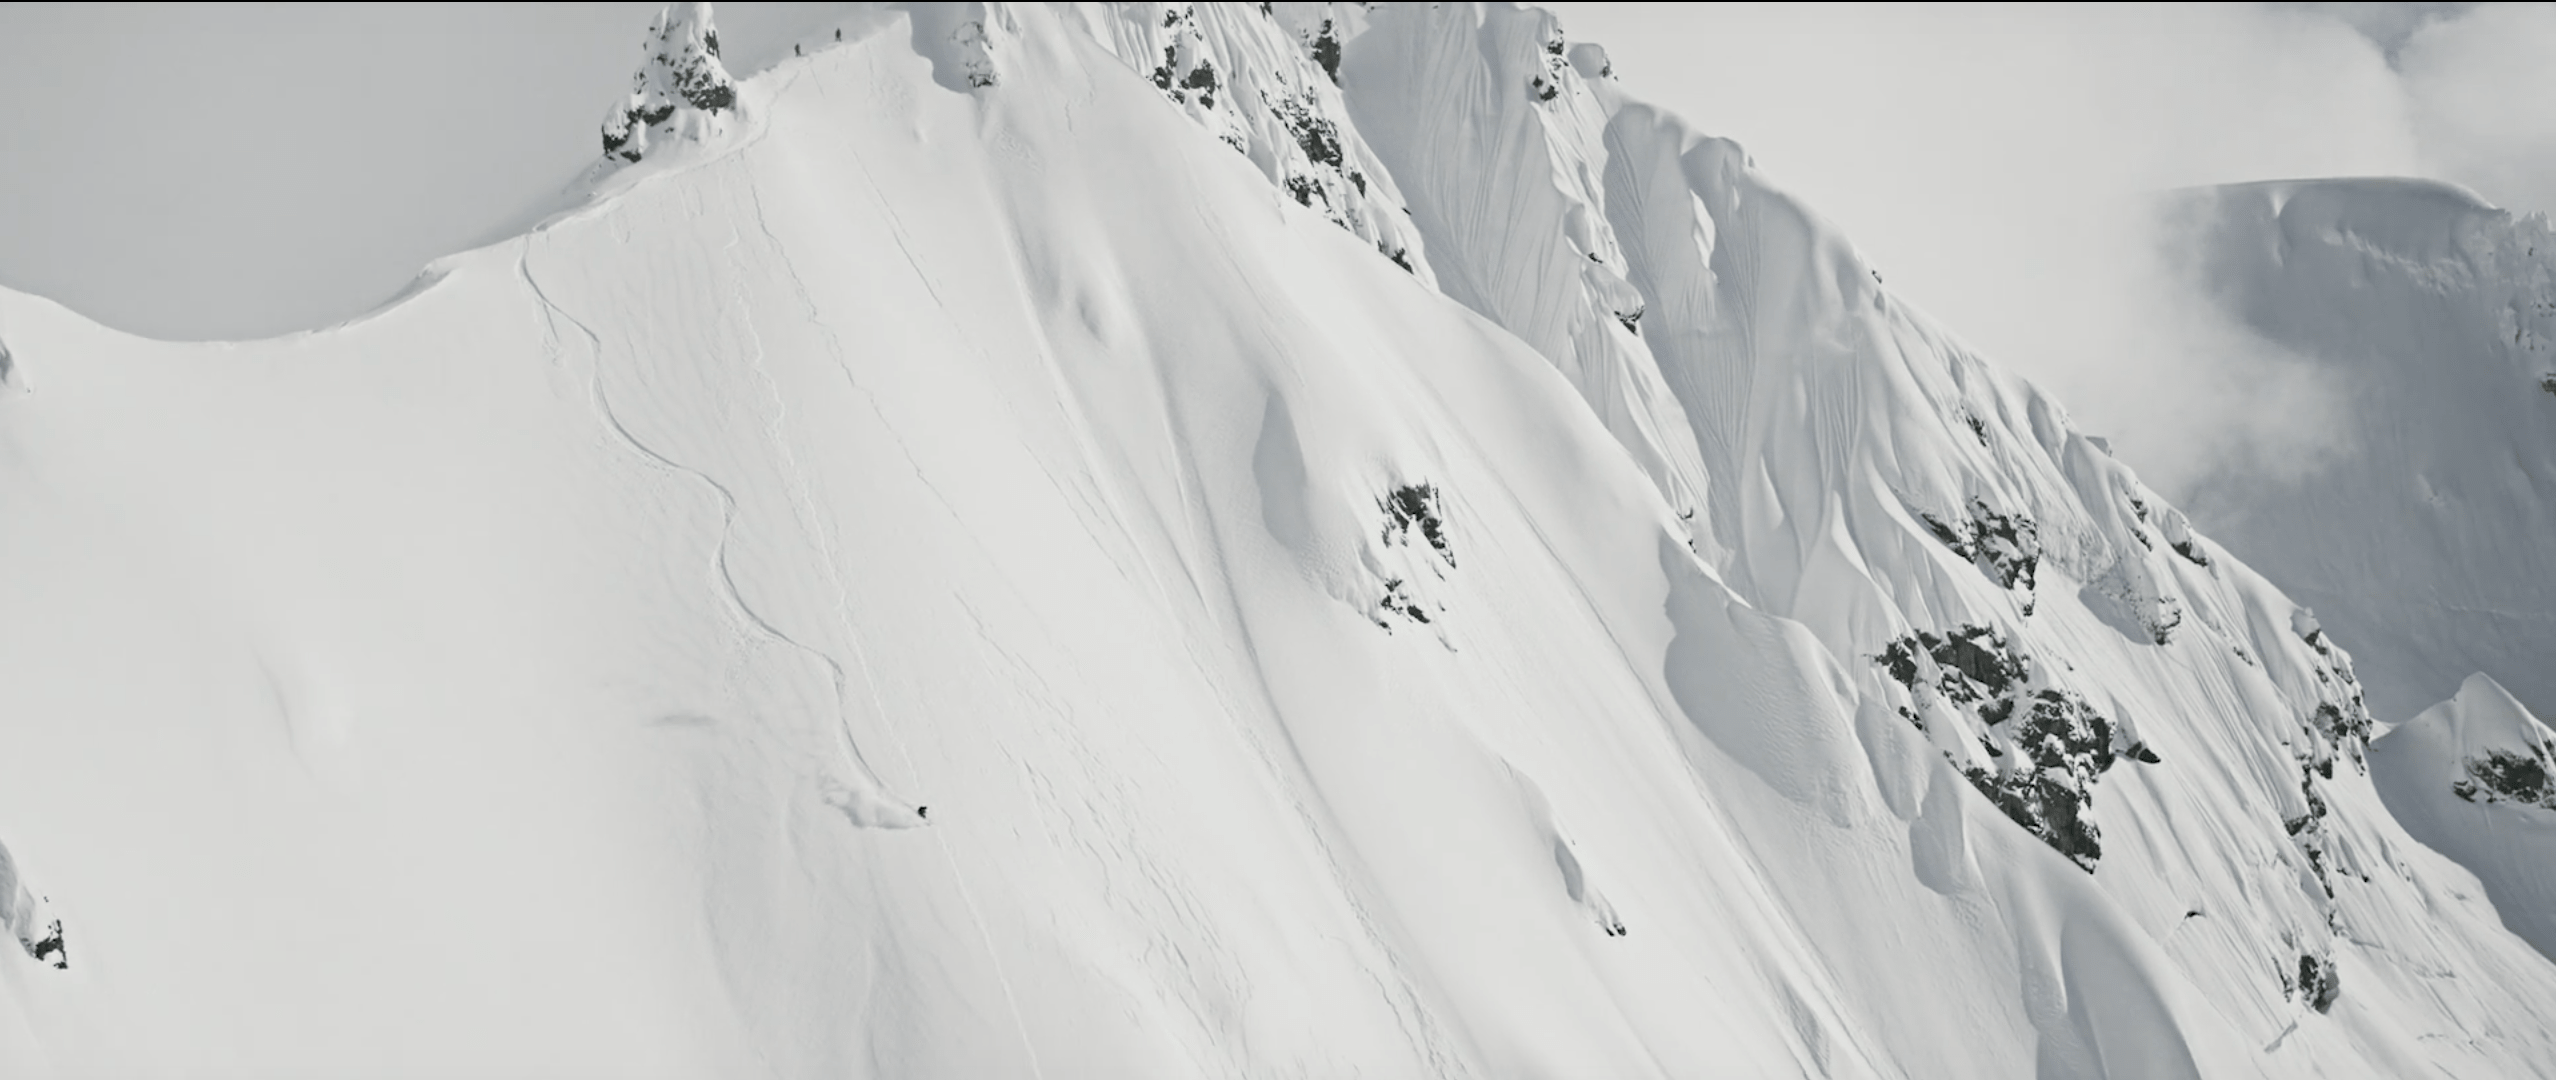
<point x="679" y="91"/>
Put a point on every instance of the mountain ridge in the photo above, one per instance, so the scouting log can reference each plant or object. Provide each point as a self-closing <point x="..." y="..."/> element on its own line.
<point x="1304" y="673"/>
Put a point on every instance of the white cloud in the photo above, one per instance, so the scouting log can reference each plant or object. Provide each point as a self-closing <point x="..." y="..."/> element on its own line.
<point x="2483" y="87"/>
<point x="1992" y="160"/>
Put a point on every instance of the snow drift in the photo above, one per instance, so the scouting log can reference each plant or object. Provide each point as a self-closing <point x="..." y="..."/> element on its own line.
<point x="978" y="564"/>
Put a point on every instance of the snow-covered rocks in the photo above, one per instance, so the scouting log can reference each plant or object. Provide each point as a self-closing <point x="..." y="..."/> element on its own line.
<point x="1413" y="553"/>
<point x="1264" y="80"/>
<point x="2034" y="748"/>
<point x="2318" y="984"/>
<point x="26" y="916"/>
<point x="2474" y="777"/>
<point x="680" y="90"/>
<point x="2005" y="547"/>
<point x="964" y="41"/>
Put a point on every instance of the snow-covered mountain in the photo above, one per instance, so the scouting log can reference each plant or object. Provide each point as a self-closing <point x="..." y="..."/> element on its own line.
<point x="2475" y="778"/>
<point x="1168" y="540"/>
<point x="2421" y="533"/>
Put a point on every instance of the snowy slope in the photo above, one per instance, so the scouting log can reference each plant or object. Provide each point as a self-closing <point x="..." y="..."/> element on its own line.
<point x="951" y="565"/>
<point x="2421" y="535"/>
<point x="1852" y="447"/>
<point x="2475" y="778"/>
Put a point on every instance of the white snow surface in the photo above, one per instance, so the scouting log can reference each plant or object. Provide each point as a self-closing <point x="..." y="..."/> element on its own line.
<point x="2428" y="771"/>
<point x="2421" y="533"/>
<point x="962" y="577"/>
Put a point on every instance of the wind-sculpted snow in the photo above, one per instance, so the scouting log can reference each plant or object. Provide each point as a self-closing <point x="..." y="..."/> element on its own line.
<point x="1264" y="79"/>
<point x="2419" y="529"/>
<point x="1873" y="479"/>
<point x="532" y="659"/>
<point x="2471" y="778"/>
<point x="1511" y="202"/>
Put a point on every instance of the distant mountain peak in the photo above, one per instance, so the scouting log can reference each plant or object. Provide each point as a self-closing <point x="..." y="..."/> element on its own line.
<point x="680" y="90"/>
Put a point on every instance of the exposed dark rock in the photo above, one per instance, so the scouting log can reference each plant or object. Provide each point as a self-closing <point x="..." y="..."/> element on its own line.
<point x="2504" y="776"/>
<point x="2047" y="807"/>
<point x="1413" y="519"/>
<point x="2006" y="547"/>
<point x="682" y="70"/>
<point x="1400" y="603"/>
<point x="48" y="947"/>
<point x="1416" y="505"/>
<point x="2318" y="983"/>
<point x="1315" y="133"/>
<point x="1326" y="52"/>
<point x="1548" y="83"/>
<point x="23" y="912"/>
<point x="2046" y="746"/>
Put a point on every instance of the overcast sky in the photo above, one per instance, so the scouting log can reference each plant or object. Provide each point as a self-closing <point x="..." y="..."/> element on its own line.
<point x="242" y="170"/>
<point x="239" y="170"/>
<point x="1990" y="161"/>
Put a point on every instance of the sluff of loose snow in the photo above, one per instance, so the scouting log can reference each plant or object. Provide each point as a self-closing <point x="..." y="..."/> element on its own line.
<point x="514" y="678"/>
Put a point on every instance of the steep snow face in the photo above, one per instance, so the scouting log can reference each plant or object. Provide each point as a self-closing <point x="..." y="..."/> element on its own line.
<point x="982" y="579"/>
<point x="1264" y="79"/>
<point x="2475" y="778"/>
<point x="1993" y="579"/>
<point x="2422" y="537"/>
<point x="1479" y="108"/>
<point x="679" y="92"/>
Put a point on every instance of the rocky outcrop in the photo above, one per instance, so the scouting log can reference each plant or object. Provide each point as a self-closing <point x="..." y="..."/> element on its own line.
<point x="2033" y="748"/>
<point x="28" y="918"/>
<point x="680" y="90"/>
<point x="1264" y="79"/>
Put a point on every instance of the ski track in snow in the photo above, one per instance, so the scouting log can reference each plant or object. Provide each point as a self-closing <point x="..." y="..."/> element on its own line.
<point x="1393" y="984"/>
<point x="862" y="796"/>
